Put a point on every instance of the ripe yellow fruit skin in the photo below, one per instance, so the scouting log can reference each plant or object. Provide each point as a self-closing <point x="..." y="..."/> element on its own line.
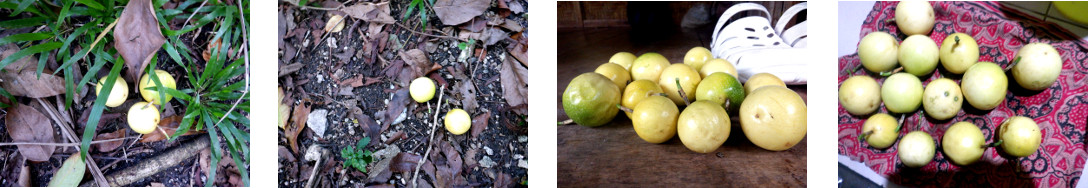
<point x="760" y="80"/>
<point x="703" y="126"/>
<point x="916" y="149"/>
<point x="942" y="99"/>
<point x="654" y="119"/>
<point x="689" y="79"/>
<point x="774" y="118"/>
<point x="457" y="121"/>
<point x="915" y="17"/>
<point x="901" y="93"/>
<point x="143" y="118"/>
<point x="1039" y="66"/>
<point x="963" y="143"/>
<point x="117" y="95"/>
<point x="638" y="91"/>
<point x="147" y="86"/>
<point x="956" y="57"/>
<point x="878" y="52"/>
<point x="421" y="89"/>
<point x="717" y="65"/>
<point x="624" y="59"/>
<point x="1021" y="136"/>
<point x="648" y="66"/>
<point x="860" y="95"/>
<point x="984" y="85"/>
<point x="616" y="73"/>
<point x="881" y="129"/>
<point x="918" y="55"/>
<point x="696" y="57"/>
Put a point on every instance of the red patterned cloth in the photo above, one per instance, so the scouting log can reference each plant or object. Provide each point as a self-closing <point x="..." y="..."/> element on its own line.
<point x="1061" y="111"/>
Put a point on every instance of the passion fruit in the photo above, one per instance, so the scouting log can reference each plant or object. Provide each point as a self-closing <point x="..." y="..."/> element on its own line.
<point x="117" y="95"/>
<point x="914" y="17"/>
<point x="616" y="73"/>
<point x="774" y="118"/>
<point x="958" y="52"/>
<point x="984" y="85"/>
<point x="942" y="99"/>
<point x="624" y="59"/>
<point x="760" y="80"/>
<point x="963" y="143"/>
<point x="147" y="86"/>
<point x="878" y="52"/>
<point x="421" y="89"/>
<point x="918" y="54"/>
<point x="859" y="95"/>
<point x="880" y="130"/>
<point x="902" y="93"/>
<point x="916" y="149"/>
<point x="637" y="91"/>
<point x="1020" y="136"/>
<point x="654" y="119"/>
<point x="457" y="121"/>
<point x="590" y="99"/>
<point x="648" y="66"/>
<point x="703" y="126"/>
<point x="720" y="87"/>
<point x="717" y="65"/>
<point x="696" y="57"/>
<point x="689" y="79"/>
<point x="143" y="117"/>
<point x="1039" y="66"/>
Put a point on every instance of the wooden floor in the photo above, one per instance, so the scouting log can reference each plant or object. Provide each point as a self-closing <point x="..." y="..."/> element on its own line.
<point x="613" y="155"/>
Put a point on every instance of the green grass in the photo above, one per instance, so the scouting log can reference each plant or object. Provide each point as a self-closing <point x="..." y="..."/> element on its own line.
<point x="421" y="5"/>
<point x="218" y="97"/>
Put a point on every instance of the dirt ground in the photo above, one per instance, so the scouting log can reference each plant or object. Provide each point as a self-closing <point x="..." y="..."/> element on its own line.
<point x="324" y="73"/>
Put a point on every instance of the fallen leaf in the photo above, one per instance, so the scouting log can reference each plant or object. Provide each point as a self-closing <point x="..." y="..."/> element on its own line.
<point x="18" y="65"/>
<point x="370" y="127"/>
<point x="467" y="89"/>
<point x="170" y="126"/>
<point x="520" y="49"/>
<point x="477" y="24"/>
<point x="514" y="84"/>
<point x="290" y="68"/>
<point x="404" y="162"/>
<point x="454" y="12"/>
<point x="137" y="36"/>
<point x="284" y="110"/>
<point x="381" y="186"/>
<point x="25" y="124"/>
<point x="479" y="123"/>
<point x="207" y="54"/>
<point x="110" y="146"/>
<point x="503" y="180"/>
<point x="298" y="118"/>
<point x="418" y="61"/>
<point x="395" y="108"/>
<point x="370" y="12"/>
<point x="70" y="173"/>
<point x="516" y="7"/>
<point x="27" y="83"/>
<point x="286" y="155"/>
<point x="512" y="25"/>
<point x="335" y="24"/>
<point x="24" y="176"/>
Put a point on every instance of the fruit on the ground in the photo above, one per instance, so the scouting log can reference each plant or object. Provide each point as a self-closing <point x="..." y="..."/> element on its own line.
<point x="648" y="66"/>
<point x="1020" y="136"/>
<point x="774" y="118"/>
<point x="860" y="95"/>
<point x="143" y="117"/>
<point x="760" y="80"/>
<point x="916" y="149"/>
<point x="590" y="99"/>
<point x="637" y="91"/>
<point x="918" y="54"/>
<point x="878" y="52"/>
<point x="914" y="17"/>
<point x="117" y="95"/>
<point x="880" y="130"/>
<point x="147" y="86"/>
<point x="1039" y="66"/>
<point x="958" y="52"/>
<point x="696" y="57"/>
<point x="717" y="65"/>
<point x="457" y="121"/>
<point x="654" y="119"/>
<point x="689" y="79"/>
<point x="984" y="85"/>
<point x="902" y="93"/>
<point x="963" y="143"/>
<point x="616" y="73"/>
<point x="703" y="126"/>
<point x="422" y="89"/>
<point x="624" y="59"/>
<point x="719" y="88"/>
<point x="942" y="99"/>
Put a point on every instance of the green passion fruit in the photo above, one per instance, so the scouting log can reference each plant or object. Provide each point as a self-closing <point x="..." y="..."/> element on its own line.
<point x="1020" y="136"/>
<point x="963" y="143"/>
<point x="878" y="52"/>
<point x="942" y="99"/>
<point x="859" y="95"/>
<point x="719" y="88"/>
<point x="590" y="99"/>
<point x="902" y="93"/>
<point x="880" y="130"/>
<point x="984" y="85"/>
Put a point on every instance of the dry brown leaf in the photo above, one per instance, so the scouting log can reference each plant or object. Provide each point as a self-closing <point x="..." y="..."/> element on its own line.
<point x="418" y="61"/>
<point x="477" y="24"/>
<point x="503" y="180"/>
<point x="110" y="146"/>
<point x="298" y="118"/>
<point x="335" y="24"/>
<point x="515" y="86"/>
<point x="284" y="110"/>
<point x="27" y="83"/>
<point x="516" y="7"/>
<point x="18" y="65"/>
<point x="168" y="125"/>
<point x="520" y="49"/>
<point x="454" y="12"/>
<point x="467" y="89"/>
<point x="207" y="54"/>
<point x="370" y="12"/>
<point x="404" y="162"/>
<point x="25" y="124"/>
<point x="401" y="100"/>
<point x="479" y="123"/>
<point x="137" y="36"/>
<point x="290" y="68"/>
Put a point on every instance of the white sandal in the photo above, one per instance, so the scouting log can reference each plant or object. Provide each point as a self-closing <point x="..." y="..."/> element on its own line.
<point x="753" y="46"/>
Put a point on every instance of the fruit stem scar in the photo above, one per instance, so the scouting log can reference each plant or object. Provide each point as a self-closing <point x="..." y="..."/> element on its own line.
<point x="625" y="109"/>
<point x="565" y="122"/>
<point x="956" y="44"/>
<point x="995" y="144"/>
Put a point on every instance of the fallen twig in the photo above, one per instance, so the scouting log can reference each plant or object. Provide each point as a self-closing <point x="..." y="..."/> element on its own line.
<point x="150" y="166"/>
<point x="63" y="144"/>
<point x="442" y="91"/>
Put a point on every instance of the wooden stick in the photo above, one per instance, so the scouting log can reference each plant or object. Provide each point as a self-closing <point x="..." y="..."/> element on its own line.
<point x="431" y="143"/>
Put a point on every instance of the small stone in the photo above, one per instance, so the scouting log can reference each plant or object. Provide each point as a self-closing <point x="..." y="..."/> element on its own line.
<point x="317" y="121"/>
<point x="519" y="156"/>
<point x="524" y="163"/>
<point x="488" y="150"/>
<point x="523" y="138"/>
<point x="486" y="162"/>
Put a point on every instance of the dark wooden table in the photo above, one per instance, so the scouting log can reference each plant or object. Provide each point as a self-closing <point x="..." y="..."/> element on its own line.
<point x="613" y="155"/>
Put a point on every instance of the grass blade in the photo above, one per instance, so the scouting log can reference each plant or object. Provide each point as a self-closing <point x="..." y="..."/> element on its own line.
<point x="96" y="110"/>
<point x="21" y="23"/>
<point x="28" y="51"/>
<point x="22" y="6"/>
<point x="93" y="4"/>
<point x="23" y="37"/>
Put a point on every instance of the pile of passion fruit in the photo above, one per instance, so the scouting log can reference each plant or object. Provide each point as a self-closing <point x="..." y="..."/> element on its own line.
<point x="693" y="100"/>
<point x="983" y="85"/>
